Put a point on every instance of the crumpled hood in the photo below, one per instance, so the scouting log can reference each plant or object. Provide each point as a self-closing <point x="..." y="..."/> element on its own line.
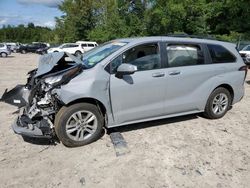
<point x="48" y="61"/>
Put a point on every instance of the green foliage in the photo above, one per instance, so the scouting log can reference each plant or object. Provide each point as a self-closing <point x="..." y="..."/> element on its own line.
<point x="26" y="34"/>
<point x="103" y="20"/>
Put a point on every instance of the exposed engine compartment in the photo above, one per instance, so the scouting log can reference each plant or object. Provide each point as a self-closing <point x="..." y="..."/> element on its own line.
<point x="36" y="100"/>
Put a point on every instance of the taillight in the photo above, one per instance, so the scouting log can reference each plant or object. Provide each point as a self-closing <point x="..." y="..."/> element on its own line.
<point x="244" y="68"/>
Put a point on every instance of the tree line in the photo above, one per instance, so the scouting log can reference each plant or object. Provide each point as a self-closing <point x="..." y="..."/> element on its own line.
<point x="103" y="20"/>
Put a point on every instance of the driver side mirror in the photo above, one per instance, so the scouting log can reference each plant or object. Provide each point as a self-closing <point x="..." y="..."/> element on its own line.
<point x="125" y="69"/>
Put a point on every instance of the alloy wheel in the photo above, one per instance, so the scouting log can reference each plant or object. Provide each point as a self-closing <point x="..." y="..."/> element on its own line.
<point x="81" y="125"/>
<point x="220" y="104"/>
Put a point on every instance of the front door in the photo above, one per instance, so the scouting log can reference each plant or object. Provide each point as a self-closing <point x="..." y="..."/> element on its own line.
<point x="140" y="95"/>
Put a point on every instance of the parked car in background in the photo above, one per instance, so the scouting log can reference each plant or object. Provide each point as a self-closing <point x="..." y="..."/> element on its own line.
<point x="72" y="48"/>
<point x="14" y="46"/>
<point x="42" y="50"/>
<point x="245" y="54"/>
<point x="31" y="47"/>
<point x="87" y="45"/>
<point x="4" y="50"/>
<point x="127" y="81"/>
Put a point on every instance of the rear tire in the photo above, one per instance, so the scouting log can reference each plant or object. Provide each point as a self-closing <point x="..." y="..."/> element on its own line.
<point x="79" y="124"/>
<point x="218" y="103"/>
<point x="3" y="54"/>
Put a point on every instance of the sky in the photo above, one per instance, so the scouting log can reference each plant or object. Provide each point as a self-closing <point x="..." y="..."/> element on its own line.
<point x="39" y="12"/>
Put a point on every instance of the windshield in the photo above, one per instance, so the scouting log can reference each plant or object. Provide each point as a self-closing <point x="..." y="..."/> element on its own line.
<point x="246" y="48"/>
<point x="97" y="54"/>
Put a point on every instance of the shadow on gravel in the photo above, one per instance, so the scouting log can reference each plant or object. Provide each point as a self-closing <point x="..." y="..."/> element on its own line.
<point x="9" y="56"/>
<point x="46" y="141"/>
<point x="125" y="128"/>
<point x="131" y="127"/>
<point x="248" y="82"/>
<point x="41" y="141"/>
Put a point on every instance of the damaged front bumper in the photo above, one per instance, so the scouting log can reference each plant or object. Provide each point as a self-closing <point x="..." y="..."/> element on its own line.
<point x="30" y="123"/>
<point x="34" y="120"/>
<point x="36" y="100"/>
<point x="16" y="96"/>
<point x="29" y="131"/>
<point x="25" y="126"/>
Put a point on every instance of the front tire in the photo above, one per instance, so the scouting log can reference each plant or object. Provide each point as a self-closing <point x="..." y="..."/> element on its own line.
<point x="218" y="103"/>
<point x="79" y="124"/>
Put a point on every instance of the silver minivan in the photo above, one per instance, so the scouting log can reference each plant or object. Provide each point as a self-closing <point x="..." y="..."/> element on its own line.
<point x="127" y="81"/>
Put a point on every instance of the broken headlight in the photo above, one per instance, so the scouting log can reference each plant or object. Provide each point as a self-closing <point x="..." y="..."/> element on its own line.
<point x="63" y="78"/>
<point x="53" y="80"/>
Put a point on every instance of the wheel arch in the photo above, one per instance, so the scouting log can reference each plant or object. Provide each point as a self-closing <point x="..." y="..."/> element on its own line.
<point x="3" y="53"/>
<point x="229" y="88"/>
<point x="94" y="101"/>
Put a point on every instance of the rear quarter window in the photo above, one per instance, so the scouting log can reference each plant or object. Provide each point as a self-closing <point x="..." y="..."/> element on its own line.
<point x="219" y="54"/>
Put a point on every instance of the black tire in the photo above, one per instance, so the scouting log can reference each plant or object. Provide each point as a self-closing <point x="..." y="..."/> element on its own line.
<point x="3" y="54"/>
<point x="209" y="113"/>
<point x="78" y="54"/>
<point x="23" y="51"/>
<point x="63" y="116"/>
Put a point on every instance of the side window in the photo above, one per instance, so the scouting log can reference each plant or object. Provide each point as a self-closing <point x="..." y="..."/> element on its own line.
<point x="219" y="54"/>
<point x="145" y="57"/>
<point x="72" y="45"/>
<point x="84" y="45"/>
<point x="1" y="45"/>
<point x="115" y="64"/>
<point x="184" y="55"/>
<point x="91" y="45"/>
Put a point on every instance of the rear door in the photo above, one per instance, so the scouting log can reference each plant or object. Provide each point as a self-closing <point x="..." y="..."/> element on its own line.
<point x="140" y="95"/>
<point x="186" y="76"/>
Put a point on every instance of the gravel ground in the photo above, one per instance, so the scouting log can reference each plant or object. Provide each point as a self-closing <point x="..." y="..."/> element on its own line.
<point x="186" y="151"/>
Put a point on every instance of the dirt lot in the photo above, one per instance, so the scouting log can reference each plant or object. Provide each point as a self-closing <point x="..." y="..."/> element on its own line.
<point x="179" y="152"/>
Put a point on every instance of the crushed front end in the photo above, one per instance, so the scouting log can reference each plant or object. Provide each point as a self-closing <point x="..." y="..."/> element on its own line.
<point x="37" y="100"/>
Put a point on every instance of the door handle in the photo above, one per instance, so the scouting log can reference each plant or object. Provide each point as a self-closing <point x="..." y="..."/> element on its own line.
<point x="172" y="73"/>
<point x="158" y="74"/>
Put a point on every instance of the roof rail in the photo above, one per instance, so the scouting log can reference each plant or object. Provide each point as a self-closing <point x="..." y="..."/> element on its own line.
<point x="184" y="35"/>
